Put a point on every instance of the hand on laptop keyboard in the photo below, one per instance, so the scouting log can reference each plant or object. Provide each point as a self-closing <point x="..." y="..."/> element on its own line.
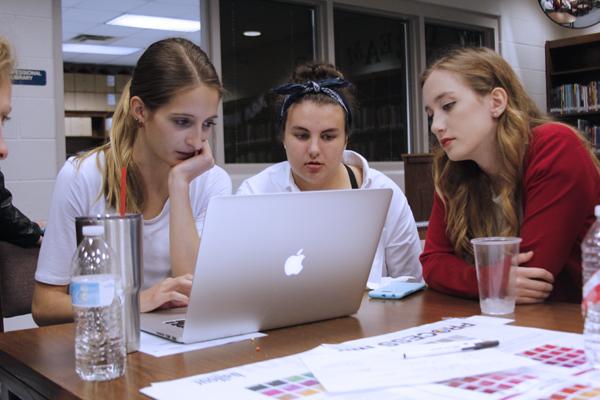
<point x="169" y="293"/>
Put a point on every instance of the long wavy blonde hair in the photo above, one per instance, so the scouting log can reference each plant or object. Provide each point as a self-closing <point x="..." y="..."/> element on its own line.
<point x="164" y="69"/>
<point x="463" y="187"/>
<point x="7" y="61"/>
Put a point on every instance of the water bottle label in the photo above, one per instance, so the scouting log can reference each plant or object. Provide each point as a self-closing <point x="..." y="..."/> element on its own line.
<point x="92" y="291"/>
<point x="591" y="291"/>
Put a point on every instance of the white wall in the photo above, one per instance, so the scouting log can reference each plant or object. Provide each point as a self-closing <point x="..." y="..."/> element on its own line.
<point x="34" y="134"/>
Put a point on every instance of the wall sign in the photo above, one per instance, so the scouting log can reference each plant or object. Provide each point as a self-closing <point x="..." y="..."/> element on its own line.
<point x="28" y="77"/>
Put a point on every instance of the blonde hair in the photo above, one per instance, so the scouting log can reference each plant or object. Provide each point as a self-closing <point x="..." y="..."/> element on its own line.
<point x="7" y="61"/>
<point x="463" y="187"/>
<point x="164" y="69"/>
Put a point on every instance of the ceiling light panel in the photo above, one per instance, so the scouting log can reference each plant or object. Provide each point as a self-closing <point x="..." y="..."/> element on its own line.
<point x="98" y="49"/>
<point x="160" y="23"/>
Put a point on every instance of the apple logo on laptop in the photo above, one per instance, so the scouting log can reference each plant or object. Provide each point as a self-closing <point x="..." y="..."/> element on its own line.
<point x="293" y="264"/>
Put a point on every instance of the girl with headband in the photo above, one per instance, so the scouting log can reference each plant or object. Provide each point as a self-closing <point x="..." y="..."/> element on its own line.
<point x="315" y="117"/>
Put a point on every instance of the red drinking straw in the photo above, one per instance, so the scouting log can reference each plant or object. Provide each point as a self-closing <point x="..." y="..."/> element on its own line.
<point x="123" y="190"/>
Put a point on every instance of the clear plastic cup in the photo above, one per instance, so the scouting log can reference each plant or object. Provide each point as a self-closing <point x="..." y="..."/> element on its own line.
<point x="495" y="261"/>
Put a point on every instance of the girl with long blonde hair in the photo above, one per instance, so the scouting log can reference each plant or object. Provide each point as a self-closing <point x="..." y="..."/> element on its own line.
<point x="159" y="134"/>
<point x="502" y="168"/>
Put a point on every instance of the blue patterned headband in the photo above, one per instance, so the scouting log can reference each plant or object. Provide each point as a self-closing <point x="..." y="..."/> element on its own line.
<point x="294" y="91"/>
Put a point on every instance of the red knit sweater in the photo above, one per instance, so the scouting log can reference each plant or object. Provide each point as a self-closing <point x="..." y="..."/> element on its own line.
<point x="561" y="186"/>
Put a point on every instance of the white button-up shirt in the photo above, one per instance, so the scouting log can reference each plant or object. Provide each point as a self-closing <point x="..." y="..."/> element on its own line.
<point x="399" y="247"/>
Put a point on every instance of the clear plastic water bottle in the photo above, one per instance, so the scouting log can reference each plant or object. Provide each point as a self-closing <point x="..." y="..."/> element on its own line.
<point x="96" y="298"/>
<point x="590" y="255"/>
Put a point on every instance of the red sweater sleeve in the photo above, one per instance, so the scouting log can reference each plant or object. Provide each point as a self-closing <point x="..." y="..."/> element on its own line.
<point x="442" y="269"/>
<point x="561" y="187"/>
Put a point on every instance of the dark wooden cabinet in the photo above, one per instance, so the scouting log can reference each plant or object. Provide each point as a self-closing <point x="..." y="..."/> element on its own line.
<point x="418" y="184"/>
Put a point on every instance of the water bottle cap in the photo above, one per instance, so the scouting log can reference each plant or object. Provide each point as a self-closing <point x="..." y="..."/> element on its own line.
<point x="93" y="230"/>
<point x="597" y="211"/>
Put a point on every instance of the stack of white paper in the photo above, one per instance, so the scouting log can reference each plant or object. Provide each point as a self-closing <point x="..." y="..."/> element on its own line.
<point x="344" y="371"/>
<point x="528" y="364"/>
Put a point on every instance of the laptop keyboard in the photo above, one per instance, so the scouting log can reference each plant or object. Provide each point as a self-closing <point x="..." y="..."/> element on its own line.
<point x="178" y="323"/>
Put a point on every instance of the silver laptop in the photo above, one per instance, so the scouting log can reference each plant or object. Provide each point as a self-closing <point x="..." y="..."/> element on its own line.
<point x="273" y="260"/>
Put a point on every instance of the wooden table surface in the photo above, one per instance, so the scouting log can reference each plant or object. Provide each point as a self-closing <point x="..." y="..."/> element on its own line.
<point x="40" y="363"/>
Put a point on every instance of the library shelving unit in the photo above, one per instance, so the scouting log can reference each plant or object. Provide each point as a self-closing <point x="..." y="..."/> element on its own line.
<point x="573" y="81"/>
<point x="91" y="92"/>
<point x="76" y="143"/>
<point x="380" y="125"/>
<point x="251" y="132"/>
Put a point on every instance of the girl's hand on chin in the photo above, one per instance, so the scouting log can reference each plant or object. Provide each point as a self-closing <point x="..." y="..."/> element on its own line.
<point x="194" y="166"/>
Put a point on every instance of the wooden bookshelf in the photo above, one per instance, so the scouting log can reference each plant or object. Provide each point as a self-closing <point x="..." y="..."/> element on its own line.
<point x="91" y="93"/>
<point x="380" y="123"/>
<point x="251" y="134"/>
<point x="573" y="83"/>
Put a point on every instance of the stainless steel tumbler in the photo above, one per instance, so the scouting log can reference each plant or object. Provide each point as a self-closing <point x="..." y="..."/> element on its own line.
<point x="124" y="235"/>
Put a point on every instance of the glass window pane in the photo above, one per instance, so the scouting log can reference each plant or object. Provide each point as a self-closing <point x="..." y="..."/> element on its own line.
<point x="251" y="65"/>
<point x="371" y="52"/>
<point x="440" y="38"/>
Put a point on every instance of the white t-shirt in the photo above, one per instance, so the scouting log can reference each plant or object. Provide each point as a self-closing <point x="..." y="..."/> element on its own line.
<point x="399" y="247"/>
<point x="77" y="194"/>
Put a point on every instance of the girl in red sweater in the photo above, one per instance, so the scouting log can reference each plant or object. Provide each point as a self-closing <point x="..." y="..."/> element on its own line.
<point x="502" y="168"/>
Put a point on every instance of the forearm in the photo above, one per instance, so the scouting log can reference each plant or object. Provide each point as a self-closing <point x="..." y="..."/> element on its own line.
<point x="51" y="305"/>
<point x="449" y="274"/>
<point x="443" y="270"/>
<point x="183" y="235"/>
<point x="560" y="190"/>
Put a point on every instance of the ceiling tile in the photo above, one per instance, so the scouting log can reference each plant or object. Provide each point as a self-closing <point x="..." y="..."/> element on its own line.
<point x="112" y="30"/>
<point x="112" y="5"/>
<point x="130" y="59"/>
<point x="89" y="17"/>
<point x="70" y="3"/>
<point x="195" y="3"/>
<point x="169" y="10"/>
<point x="84" y="15"/>
<point x="73" y="29"/>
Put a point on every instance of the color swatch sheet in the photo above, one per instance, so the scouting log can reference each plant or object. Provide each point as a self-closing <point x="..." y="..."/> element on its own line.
<point x="550" y="365"/>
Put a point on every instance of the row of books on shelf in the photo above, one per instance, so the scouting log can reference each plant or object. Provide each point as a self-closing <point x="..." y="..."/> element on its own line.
<point x="575" y="97"/>
<point x="591" y="131"/>
<point x="383" y="116"/>
<point x="368" y="118"/>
